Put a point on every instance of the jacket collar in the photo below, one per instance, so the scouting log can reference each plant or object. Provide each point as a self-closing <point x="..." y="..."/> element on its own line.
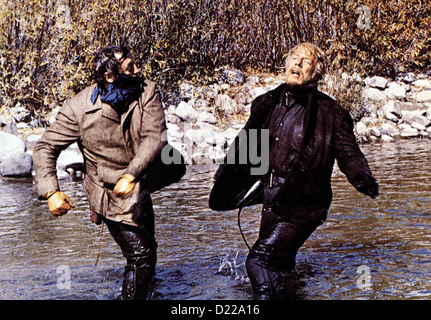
<point x="107" y="110"/>
<point x="302" y="94"/>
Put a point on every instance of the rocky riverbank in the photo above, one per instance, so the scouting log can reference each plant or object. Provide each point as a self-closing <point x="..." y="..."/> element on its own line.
<point x="203" y="120"/>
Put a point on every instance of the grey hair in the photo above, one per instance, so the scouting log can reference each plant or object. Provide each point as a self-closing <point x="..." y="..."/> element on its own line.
<point x="321" y="61"/>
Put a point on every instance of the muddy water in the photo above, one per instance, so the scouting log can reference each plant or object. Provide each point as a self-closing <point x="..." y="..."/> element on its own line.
<point x="367" y="249"/>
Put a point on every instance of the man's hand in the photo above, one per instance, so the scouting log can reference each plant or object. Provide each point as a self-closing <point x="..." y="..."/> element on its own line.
<point x="125" y="186"/>
<point x="368" y="186"/>
<point x="59" y="203"/>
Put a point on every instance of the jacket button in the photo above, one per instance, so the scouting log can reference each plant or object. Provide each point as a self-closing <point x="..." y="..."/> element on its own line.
<point x="277" y="138"/>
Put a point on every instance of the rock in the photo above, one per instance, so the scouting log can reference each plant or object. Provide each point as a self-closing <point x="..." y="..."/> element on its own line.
<point x="199" y="136"/>
<point x="386" y="138"/>
<point x="10" y="143"/>
<point x="216" y="140"/>
<point x="407" y="131"/>
<point x="172" y="127"/>
<point x="172" y="118"/>
<point x="200" y="105"/>
<point x="68" y="158"/>
<point x="16" y="164"/>
<point x="206" y="117"/>
<point x="216" y="154"/>
<point x="409" y="77"/>
<point x="11" y="128"/>
<point x="186" y="90"/>
<point x="22" y="125"/>
<point x="253" y="80"/>
<point x="374" y="94"/>
<point x="416" y="117"/>
<point x="376" y="82"/>
<point x="391" y="117"/>
<point x="31" y="140"/>
<point x="53" y="114"/>
<point x="230" y="133"/>
<point x="395" y="91"/>
<point x="422" y="83"/>
<point x="20" y="114"/>
<point x="231" y="76"/>
<point x="356" y="78"/>
<point x="361" y="129"/>
<point x="391" y="108"/>
<point x="418" y="126"/>
<point x="409" y="106"/>
<point x="207" y="126"/>
<point x="243" y="97"/>
<point x="186" y="112"/>
<point x="389" y="129"/>
<point x="257" y="91"/>
<point x="226" y="104"/>
<point x="174" y="133"/>
<point x="423" y="134"/>
<point x="375" y="132"/>
<point x="423" y="96"/>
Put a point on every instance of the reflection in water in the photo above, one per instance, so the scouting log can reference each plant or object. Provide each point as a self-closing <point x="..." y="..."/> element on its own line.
<point x="367" y="249"/>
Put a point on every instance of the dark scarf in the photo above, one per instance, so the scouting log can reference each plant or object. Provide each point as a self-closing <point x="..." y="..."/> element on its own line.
<point x="306" y="96"/>
<point x="120" y="93"/>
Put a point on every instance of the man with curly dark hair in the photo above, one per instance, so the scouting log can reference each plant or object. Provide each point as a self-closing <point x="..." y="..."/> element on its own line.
<point x="118" y="124"/>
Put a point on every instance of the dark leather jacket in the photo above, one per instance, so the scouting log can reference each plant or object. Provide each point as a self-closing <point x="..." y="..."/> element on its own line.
<point x="315" y="132"/>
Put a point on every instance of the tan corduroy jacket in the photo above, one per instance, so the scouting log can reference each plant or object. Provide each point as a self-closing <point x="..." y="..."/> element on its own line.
<point x="111" y="145"/>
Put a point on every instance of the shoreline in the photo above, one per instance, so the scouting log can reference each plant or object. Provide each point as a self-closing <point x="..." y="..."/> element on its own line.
<point x="205" y="119"/>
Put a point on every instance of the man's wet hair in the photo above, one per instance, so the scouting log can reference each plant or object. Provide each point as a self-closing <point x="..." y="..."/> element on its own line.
<point x="106" y="62"/>
<point x="319" y="54"/>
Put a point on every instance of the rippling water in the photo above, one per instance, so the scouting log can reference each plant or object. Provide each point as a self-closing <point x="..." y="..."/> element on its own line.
<point x="367" y="249"/>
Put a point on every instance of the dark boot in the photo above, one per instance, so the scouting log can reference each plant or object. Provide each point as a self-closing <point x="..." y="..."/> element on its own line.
<point x="267" y="283"/>
<point x="139" y="248"/>
<point x="136" y="283"/>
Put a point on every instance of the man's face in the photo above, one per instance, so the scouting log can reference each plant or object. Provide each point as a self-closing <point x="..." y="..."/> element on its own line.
<point x="300" y="67"/>
<point x="127" y="65"/>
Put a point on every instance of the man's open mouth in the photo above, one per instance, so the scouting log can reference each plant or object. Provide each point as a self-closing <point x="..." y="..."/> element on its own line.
<point x="295" y="72"/>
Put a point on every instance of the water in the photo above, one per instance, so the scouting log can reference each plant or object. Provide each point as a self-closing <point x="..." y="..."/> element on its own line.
<point x="367" y="249"/>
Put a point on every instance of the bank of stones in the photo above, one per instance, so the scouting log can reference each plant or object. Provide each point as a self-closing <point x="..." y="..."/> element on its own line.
<point x="207" y="118"/>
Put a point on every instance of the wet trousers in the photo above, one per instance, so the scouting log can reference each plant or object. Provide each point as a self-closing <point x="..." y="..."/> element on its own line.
<point x="139" y="248"/>
<point x="274" y="253"/>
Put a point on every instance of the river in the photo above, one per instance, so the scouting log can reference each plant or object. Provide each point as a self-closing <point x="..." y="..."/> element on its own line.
<point x="367" y="249"/>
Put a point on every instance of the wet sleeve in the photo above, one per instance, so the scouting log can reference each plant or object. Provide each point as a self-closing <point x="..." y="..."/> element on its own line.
<point x="351" y="160"/>
<point x="62" y="133"/>
<point x="152" y="127"/>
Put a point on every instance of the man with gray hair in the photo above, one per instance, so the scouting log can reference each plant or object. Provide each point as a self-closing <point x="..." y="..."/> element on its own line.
<point x="308" y="131"/>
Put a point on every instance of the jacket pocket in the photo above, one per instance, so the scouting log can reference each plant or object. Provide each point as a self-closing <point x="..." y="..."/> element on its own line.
<point x="109" y="175"/>
<point x="95" y="194"/>
<point x="119" y="205"/>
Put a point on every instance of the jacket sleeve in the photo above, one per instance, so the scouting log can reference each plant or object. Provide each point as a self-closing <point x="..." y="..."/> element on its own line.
<point x="62" y="133"/>
<point x="152" y="127"/>
<point x="351" y="160"/>
<point x="233" y="180"/>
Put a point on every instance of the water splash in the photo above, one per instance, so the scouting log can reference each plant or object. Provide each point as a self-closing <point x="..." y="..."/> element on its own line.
<point x="233" y="267"/>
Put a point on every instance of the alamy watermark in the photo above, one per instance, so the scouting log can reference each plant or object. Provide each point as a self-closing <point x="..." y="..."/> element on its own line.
<point x="364" y="19"/>
<point x="201" y="147"/>
<point x="364" y="280"/>
<point x="64" y="279"/>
